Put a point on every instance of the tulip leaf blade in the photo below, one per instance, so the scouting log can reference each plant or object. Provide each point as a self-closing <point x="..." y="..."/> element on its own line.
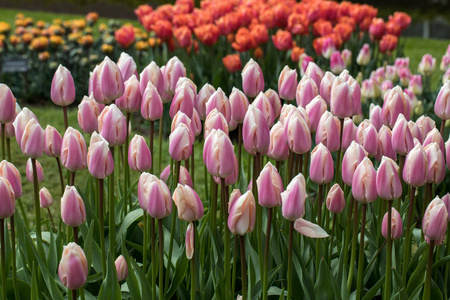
<point x="110" y="288"/>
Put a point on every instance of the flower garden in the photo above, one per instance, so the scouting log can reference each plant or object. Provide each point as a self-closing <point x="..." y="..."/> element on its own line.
<point x="235" y="150"/>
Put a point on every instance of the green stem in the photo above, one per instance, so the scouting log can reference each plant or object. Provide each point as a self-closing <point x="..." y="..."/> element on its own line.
<point x="243" y="267"/>
<point x="101" y="196"/>
<point x="161" y="259"/>
<point x="192" y="169"/>
<point x="75" y="235"/>
<point x="2" y="236"/>
<point x="61" y="177"/>
<point x="153" y="255"/>
<point x="51" y="219"/>
<point x="354" y="242"/>
<point x="8" y="149"/>
<point x="3" y="142"/>
<point x="319" y="222"/>
<point x="387" y="284"/>
<point x="360" y="287"/>
<point x="213" y="213"/>
<point x="332" y="239"/>
<point x="37" y="208"/>
<point x="193" y="273"/>
<point x="289" y="275"/>
<point x="442" y="127"/>
<point x="161" y="121"/>
<point x="127" y="200"/>
<point x="258" y="226"/>
<point x="427" y="199"/>
<point x="74" y="294"/>
<point x="66" y="122"/>
<point x="348" y="230"/>
<point x="447" y="265"/>
<point x="407" y="250"/>
<point x="233" y="276"/>
<point x="24" y="213"/>
<point x="226" y="238"/>
<point x="112" y="219"/>
<point x="13" y="250"/>
<point x="427" y="288"/>
<point x="338" y="155"/>
<point x="145" y="242"/>
<point x="266" y="254"/>
<point x="240" y="151"/>
<point x="72" y="178"/>
<point x="152" y="128"/>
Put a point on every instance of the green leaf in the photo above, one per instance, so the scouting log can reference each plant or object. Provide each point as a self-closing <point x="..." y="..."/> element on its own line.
<point x="324" y="282"/>
<point x="146" y="290"/>
<point x="34" y="285"/>
<point x="131" y="219"/>
<point x="373" y="291"/>
<point x="441" y="262"/>
<point x="417" y="276"/>
<point x="180" y="274"/>
<point x="132" y="282"/>
<point x="110" y="288"/>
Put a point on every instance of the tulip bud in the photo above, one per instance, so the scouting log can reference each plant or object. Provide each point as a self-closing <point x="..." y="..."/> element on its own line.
<point x="189" y="205"/>
<point x="252" y="79"/>
<point x="203" y="96"/>
<point x="151" y="105"/>
<point x="415" y="170"/>
<point x="179" y="118"/>
<point x="386" y="85"/>
<point x="73" y="150"/>
<point x="446" y="200"/>
<point x="242" y="214"/>
<point x="315" y="109"/>
<point x="215" y="120"/>
<point x="10" y="172"/>
<point x="278" y="148"/>
<point x="375" y="116"/>
<point x="415" y="131"/>
<point x="139" y="156"/>
<point x="262" y="103"/>
<point x="388" y="182"/>
<point x="45" y="198"/>
<point x="180" y="145"/>
<point x="63" y="88"/>
<point x="335" y="199"/>
<point x="328" y="131"/>
<point x="190" y="240"/>
<point x="218" y="152"/>
<point x="346" y="55"/>
<point x="121" y="268"/>
<point x="415" y="84"/>
<point x="425" y="124"/>
<point x="238" y="105"/>
<point x="183" y="101"/>
<point x="73" y="267"/>
<point x="436" y="163"/>
<point x="325" y="86"/>
<point x="396" y="225"/>
<point x="370" y="88"/>
<point x="32" y="142"/>
<point x="154" y="196"/>
<point x="306" y="91"/>
<point x="270" y="187"/>
<point x="73" y="212"/>
<point x="447" y="153"/>
<point x="353" y="156"/>
<point x="53" y="142"/>
<point x="314" y="72"/>
<point x="99" y="158"/>
<point x="363" y="57"/>
<point x="173" y="70"/>
<point x="341" y="101"/>
<point x="7" y="103"/>
<point x="8" y="200"/>
<point x="255" y="132"/>
<point x="219" y="101"/>
<point x="385" y="144"/>
<point x="321" y="170"/>
<point x="293" y="199"/>
<point x="21" y="121"/>
<point x="391" y="73"/>
<point x="112" y="125"/>
<point x="152" y="73"/>
<point x="396" y="102"/>
<point x="337" y="64"/>
<point x="287" y="83"/>
<point x="434" y="136"/>
<point x="184" y="178"/>
<point x="275" y="101"/>
<point x="348" y="134"/>
<point x="427" y="65"/>
<point x="88" y="112"/>
<point x="435" y="218"/>
<point x="107" y="82"/>
<point x="367" y="136"/>
<point x="297" y="134"/>
<point x="127" y="66"/>
<point x="402" y="141"/>
<point x="39" y="171"/>
<point x="364" y="186"/>
<point x="131" y="99"/>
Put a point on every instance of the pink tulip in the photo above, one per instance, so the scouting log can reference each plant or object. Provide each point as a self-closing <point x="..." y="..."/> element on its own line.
<point x="436" y="163"/>
<point x="379" y="74"/>
<point x="415" y="171"/>
<point x="189" y="205"/>
<point x="255" y="132"/>
<point x="391" y="74"/>
<point x="402" y="141"/>
<point x="215" y="120"/>
<point x="335" y="199"/>
<point x="435" y="218"/>
<point x="389" y="186"/>
<point x="425" y="124"/>
<point x="337" y="64"/>
<point x="287" y="83"/>
<point x="184" y="178"/>
<point x="367" y="136"/>
<point x="309" y="229"/>
<point x="341" y="101"/>
<point x="242" y="214"/>
<point x="363" y="57"/>
<point x="189" y="83"/>
<point x="386" y="85"/>
<point x="107" y="82"/>
<point x="404" y="74"/>
<point x="218" y="153"/>
<point x="154" y="196"/>
<point x="396" y="102"/>
<point x="364" y="186"/>
<point x="348" y="134"/>
<point x="73" y="150"/>
<point x="434" y="136"/>
<point x="73" y="212"/>
<point x="196" y="123"/>
<point x="328" y="131"/>
<point x="297" y="134"/>
<point x="325" y="86"/>
<point x="63" y="88"/>
<point x="39" y="171"/>
<point x="385" y="144"/>
<point x="179" y="118"/>
<point x="127" y="66"/>
<point x="314" y="72"/>
<point x="203" y="96"/>
<point x="315" y="109"/>
<point x="183" y="101"/>
<point x="293" y="199"/>
<point x="180" y="145"/>
<point x="278" y="148"/>
<point x="99" y="158"/>
<point x="446" y="200"/>
<point x="7" y="103"/>
<point x="370" y="88"/>
<point x="447" y="153"/>
<point x="238" y="105"/>
<point x="151" y="105"/>
<point x="270" y="187"/>
<point x="402" y="62"/>
<point x="219" y="101"/>
<point x="275" y="101"/>
<point x="112" y="125"/>
<point x="53" y="142"/>
<point x="8" y="200"/>
<point x="45" y="198"/>
<point x="235" y="194"/>
<point x="353" y="156"/>
<point x="306" y="91"/>
<point x="346" y="55"/>
<point x="173" y="70"/>
<point x="88" y="112"/>
<point x="252" y="79"/>
<point x="190" y="241"/>
<point x="121" y="268"/>
<point x="415" y="84"/>
<point x="356" y="93"/>
<point x="375" y="116"/>
<point x="139" y="156"/>
<point x="427" y="65"/>
<point x="321" y="170"/>
<point x="396" y="225"/>
<point x="73" y="267"/>
<point x="262" y="103"/>
<point x="152" y="73"/>
<point x="10" y="172"/>
<point x="415" y="131"/>
<point x="32" y="142"/>
<point x="232" y="178"/>
<point x="328" y="47"/>
<point x="131" y="99"/>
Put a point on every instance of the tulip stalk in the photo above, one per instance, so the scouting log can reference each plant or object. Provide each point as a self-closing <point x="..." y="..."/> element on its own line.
<point x="427" y="288"/>
<point x="354" y="241"/>
<point x="388" y="278"/>
<point x="258" y="226"/>
<point x="332" y="238"/>
<point x="427" y="198"/>
<point x="153" y="255"/>
<point x="61" y="177"/>
<point x="126" y="183"/>
<point x="359" y="283"/>
<point x="51" y="219"/>
<point x="319" y="222"/>
<point x="289" y="274"/>
<point x="447" y="265"/>
<point x="145" y="242"/>
<point x="161" y="258"/>
<point x="8" y="149"/>
<point x="243" y="268"/>
<point x="266" y="254"/>
<point x="442" y="127"/>
<point x="338" y="154"/>
<point x="152" y="129"/>
<point x="3" y="142"/>
<point x="66" y="121"/>
<point x="226" y="237"/>
<point x="37" y="211"/>
<point x="193" y="271"/>
<point x="407" y="250"/>
<point x="2" y="236"/>
<point x="348" y="230"/>
<point x="239" y="151"/>
<point x="161" y="123"/>
<point x="75" y="234"/>
<point x="112" y="224"/>
<point x="101" y="197"/>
